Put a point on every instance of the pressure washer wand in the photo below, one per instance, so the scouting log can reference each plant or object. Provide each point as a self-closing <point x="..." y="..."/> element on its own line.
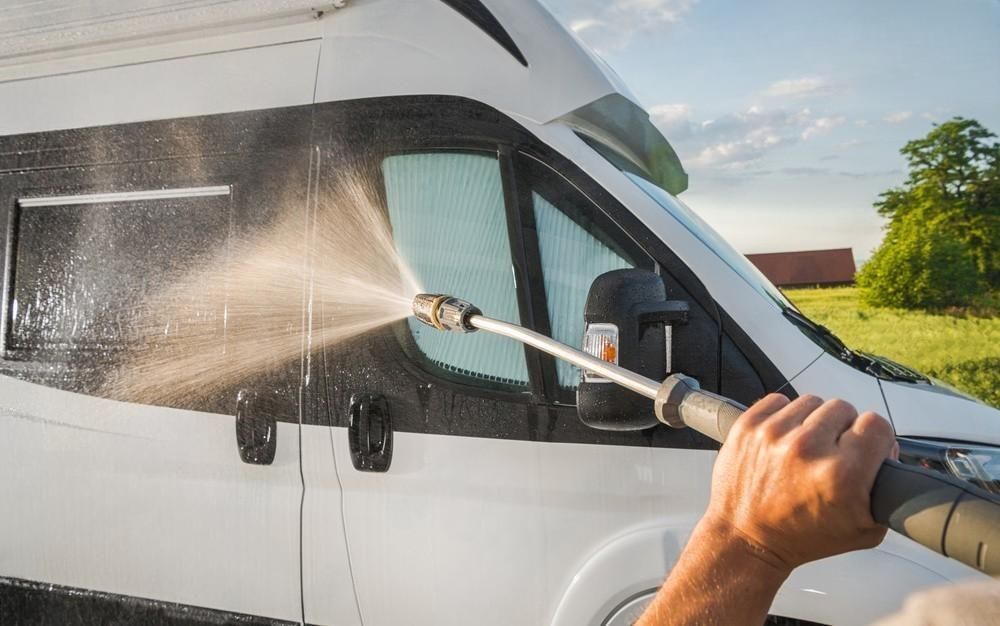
<point x="452" y="314"/>
<point x="678" y="401"/>
<point x="947" y="515"/>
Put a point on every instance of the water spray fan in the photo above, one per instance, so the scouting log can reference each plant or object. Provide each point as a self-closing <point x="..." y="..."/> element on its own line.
<point x="947" y="515"/>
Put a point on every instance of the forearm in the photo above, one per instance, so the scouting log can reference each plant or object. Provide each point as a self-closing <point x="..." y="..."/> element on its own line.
<point x="721" y="578"/>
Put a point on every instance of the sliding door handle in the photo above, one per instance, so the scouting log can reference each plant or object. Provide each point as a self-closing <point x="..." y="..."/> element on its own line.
<point x="256" y="435"/>
<point x="369" y="433"/>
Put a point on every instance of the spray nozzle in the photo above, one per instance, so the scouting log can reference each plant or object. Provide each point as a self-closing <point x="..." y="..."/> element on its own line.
<point x="444" y="312"/>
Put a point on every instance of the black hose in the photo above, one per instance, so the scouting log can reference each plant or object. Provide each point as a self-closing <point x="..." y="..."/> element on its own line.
<point x="946" y="514"/>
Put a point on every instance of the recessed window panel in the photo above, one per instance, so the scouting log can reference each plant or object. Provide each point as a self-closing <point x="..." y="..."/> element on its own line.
<point x="82" y="264"/>
<point x="450" y="225"/>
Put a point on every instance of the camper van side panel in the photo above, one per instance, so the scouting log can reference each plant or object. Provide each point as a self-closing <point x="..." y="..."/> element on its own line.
<point x="122" y="504"/>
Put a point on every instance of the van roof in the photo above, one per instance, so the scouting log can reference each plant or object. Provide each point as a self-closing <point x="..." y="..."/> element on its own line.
<point x="510" y="54"/>
<point x="53" y="28"/>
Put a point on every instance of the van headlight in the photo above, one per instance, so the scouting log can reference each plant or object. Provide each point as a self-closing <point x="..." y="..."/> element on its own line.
<point x="980" y="465"/>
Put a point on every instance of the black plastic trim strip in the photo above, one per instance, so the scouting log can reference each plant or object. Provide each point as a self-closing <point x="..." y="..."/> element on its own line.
<point x="779" y="620"/>
<point x="770" y="376"/>
<point x="541" y="178"/>
<point x="7" y="280"/>
<point x="30" y="602"/>
<point x="428" y="400"/>
<point x="530" y="293"/>
<point x="478" y="14"/>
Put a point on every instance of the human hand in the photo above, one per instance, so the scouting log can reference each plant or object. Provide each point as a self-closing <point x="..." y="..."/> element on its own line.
<point x="794" y="479"/>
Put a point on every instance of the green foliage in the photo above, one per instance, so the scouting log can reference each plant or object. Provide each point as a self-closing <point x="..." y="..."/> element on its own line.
<point x="947" y="211"/>
<point x="962" y="350"/>
<point x="920" y="266"/>
<point x="954" y="159"/>
<point x="978" y="377"/>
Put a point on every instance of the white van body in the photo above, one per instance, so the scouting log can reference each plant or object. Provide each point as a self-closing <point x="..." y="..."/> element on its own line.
<point x="148" y="512"/>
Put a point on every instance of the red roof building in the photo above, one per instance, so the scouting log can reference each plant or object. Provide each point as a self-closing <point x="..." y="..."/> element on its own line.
<point x="808" y="267"/>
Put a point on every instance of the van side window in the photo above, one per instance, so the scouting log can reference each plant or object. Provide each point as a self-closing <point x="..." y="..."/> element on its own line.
<point x="83" y="263"/>
<point x="132" y="263"/>
<point x="574" y="251"/>
<point x="449" y="223"/>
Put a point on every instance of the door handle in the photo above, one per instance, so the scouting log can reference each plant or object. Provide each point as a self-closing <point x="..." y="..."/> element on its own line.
<point x="369" y="433"/>
<point x="256" y="435"/>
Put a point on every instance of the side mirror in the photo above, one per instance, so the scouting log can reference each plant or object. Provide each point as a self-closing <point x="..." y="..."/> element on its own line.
<point x="629" y="321"/>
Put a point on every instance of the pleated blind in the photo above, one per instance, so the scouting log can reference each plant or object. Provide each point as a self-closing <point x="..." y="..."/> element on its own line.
<point x="571" y="259"/>
<point x="449" y="224"/>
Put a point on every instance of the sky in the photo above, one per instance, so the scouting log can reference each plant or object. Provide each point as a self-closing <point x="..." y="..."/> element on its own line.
<point x="789" y="115"/>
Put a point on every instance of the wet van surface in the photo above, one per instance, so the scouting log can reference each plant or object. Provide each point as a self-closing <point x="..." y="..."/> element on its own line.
<point x="214" y="406"/>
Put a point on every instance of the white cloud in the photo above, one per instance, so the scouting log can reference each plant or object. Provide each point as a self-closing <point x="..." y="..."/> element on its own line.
<point x="897" y="117"/>
<point x="799" y="87"/>
<point x="736" y="140"/>
<point x="580" y="25"/>
<point x="872" y="174"/>
<point x="851" y="143"/>
<point x="822" y="125"/>
<point x="738" y="153"/>
<point x="670" y="114"/>
<point x="613" y="23"/>
<point x="861" y="123"/>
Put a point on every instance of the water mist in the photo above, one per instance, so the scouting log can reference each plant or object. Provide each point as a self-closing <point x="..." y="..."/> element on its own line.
<point x="255" y="306"/>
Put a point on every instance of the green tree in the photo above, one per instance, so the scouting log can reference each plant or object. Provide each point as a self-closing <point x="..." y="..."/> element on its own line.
<point x="920" y="265"/>
<point x="954" y="187"/>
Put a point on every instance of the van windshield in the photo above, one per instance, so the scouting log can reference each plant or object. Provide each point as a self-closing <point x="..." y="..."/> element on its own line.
<point x="820" y="335"/>
<point x="707" y="235"/>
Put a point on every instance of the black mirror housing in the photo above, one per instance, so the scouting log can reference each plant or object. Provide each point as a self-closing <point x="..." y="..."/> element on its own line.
<point x="635" y="302"/>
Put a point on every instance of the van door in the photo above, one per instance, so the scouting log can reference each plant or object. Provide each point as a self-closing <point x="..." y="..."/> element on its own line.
<point x="151" y="363"/>
<point x="491" y="495"/>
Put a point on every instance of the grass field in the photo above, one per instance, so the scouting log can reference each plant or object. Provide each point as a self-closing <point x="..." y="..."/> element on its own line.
<point x="961" y="350"/>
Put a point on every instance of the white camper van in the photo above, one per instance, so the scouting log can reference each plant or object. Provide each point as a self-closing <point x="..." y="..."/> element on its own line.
<point x="398" y="477"/>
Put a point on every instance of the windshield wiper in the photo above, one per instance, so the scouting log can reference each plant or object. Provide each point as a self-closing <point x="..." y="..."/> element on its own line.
<point x="830" y="342"/>
<point x="889" y="369"/>
<point x="877" y="366"/>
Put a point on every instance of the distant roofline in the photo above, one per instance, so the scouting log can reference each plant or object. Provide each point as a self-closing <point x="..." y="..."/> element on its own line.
<point x="807" y="267"/>
<point x="759" y="254"/>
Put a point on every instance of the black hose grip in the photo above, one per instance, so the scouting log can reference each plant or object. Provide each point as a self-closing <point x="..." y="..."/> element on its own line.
<point x="948" y="515"/>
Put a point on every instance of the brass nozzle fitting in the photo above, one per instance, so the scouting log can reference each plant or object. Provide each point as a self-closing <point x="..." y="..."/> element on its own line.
<point x="444" y="312"/>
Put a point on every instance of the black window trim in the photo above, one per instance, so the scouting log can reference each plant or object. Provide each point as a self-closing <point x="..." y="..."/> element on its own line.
<point x="486" y="129"/>
<point x="527" y="263"/>
<point x="771" y="378"/>
<point x="667" y="263"/>
<point x="483" y="128"/>
<point x="136" y="160"/>
<point x="59" y="354"/>
<point x="11" y="225"/>
<point x="527" y="164"/>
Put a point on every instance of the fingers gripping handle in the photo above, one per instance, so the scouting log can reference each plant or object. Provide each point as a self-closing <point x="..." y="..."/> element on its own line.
<point x="947" y="515"/>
